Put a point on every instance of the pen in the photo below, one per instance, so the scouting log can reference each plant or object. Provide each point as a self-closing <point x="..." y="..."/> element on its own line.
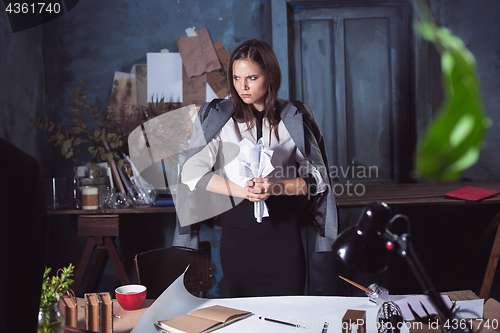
<point x="366" y="290"/>
<point x="325" y="327"/>
<point x="281" y="322"/>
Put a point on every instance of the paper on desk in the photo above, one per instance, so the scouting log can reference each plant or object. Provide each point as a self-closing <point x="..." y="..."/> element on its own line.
<point x="255" y="161"/>
<point x="173" y="302"/>
<point x="414" y="300"/>
<point x="309" y="311"/>
<point x="470" y="309"/>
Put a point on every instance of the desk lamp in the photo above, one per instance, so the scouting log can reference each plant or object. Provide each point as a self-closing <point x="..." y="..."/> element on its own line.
<point x="365" y="247"/>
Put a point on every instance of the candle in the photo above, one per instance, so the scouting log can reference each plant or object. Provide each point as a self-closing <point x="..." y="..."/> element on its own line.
<point x="90" y="198"/>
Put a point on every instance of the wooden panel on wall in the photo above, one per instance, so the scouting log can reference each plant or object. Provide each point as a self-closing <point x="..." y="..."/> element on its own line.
<point x="317" y="75"/>
<point x="368" y="95"/>
<point x="351" y="65"/>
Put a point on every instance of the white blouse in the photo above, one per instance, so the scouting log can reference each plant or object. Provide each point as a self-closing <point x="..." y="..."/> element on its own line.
<point x="287" y="160"/>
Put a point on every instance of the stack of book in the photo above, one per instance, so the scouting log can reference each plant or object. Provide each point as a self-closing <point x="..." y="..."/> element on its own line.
<point x="99" y="312"/>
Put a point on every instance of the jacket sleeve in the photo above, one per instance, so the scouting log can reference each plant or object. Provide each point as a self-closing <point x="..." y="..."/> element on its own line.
<point x="323" y="209"/>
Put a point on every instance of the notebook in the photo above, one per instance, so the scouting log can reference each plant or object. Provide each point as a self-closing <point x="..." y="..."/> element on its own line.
<point x="472" y="193"/>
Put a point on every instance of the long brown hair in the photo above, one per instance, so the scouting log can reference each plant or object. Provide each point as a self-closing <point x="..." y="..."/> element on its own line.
<point x="263" y="55"/>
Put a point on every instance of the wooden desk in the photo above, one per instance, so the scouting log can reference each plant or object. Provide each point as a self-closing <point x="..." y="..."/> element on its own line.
<point x="101" y="226"/>
<point x="130" y="318"/>
<point x="420" y="194"/>
<point x="394" y="195"/>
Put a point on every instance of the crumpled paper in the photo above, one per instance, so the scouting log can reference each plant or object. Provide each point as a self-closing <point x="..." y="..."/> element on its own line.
<point x="255" y="161"/>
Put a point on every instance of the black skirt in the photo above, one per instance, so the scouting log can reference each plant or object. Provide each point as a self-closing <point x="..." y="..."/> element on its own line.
<point x="263" y="259"/>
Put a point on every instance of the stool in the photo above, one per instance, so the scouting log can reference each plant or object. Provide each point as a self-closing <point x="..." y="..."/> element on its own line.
<point x="99" y="229"/>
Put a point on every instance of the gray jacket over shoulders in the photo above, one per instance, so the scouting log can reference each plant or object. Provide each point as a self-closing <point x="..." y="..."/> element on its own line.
<point x="319" y="210"/>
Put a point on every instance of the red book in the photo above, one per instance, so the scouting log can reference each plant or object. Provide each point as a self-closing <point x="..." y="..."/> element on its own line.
<point x="472" y="193"/>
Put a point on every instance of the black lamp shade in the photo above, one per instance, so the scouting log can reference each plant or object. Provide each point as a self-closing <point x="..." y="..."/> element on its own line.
<point x="362" y="247"/>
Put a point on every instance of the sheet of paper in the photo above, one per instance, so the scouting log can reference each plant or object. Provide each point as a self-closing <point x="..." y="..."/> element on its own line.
<point x="222" y="54"/>
<point x="309" y="311"/>
<point x="255" y="161"/>
<point x="217" y="80"/>
<point x="471" y="309"/>
<point x="414" y="300"/>
<point x="198" y="53"/>
<point x="193" y="89"/>
<point x="83" y="171"/>
<point x="141" y="82"/>
<point x="164" y="76"/>
<point x="210" y="93"/>
<point x="173" y="302"/>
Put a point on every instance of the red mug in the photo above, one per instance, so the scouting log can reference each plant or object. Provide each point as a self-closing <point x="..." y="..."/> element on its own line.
<point x="131" y="296"/>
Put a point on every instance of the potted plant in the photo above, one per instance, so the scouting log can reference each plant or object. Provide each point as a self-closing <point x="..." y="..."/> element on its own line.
<point x="50" y="318"/>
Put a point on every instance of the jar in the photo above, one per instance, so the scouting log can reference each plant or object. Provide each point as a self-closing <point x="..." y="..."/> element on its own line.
<point x="50" y="319"/>
<point x="90" y="197"/>
<point x="378" y="294"/>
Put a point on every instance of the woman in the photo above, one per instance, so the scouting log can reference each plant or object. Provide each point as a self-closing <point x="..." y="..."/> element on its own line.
<point x="264" y="259"/>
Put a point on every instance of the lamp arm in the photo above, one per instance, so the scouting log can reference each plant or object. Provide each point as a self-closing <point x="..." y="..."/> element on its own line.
<point x="404" y="248"/>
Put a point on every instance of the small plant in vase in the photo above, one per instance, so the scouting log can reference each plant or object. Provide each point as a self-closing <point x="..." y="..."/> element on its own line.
<point x="50" y="318"/>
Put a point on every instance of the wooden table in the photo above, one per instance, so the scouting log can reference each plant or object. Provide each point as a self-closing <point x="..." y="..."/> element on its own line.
<point x="130" y="318"/>
<point x="420" y="194"/>
<point x="101" y="226"/>
<point x="92" y="222"/>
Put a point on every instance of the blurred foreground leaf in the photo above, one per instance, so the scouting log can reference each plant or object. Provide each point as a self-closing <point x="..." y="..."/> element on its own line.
<point x="452" y="141"/>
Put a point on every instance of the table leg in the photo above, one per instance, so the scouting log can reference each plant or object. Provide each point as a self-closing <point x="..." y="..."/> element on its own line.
<point x="99" y="265"/>
<point x="99" y="229"/>
<point x="113" y="254"/>
<point x="82" y="265"/>
<point x="489" y="275"/>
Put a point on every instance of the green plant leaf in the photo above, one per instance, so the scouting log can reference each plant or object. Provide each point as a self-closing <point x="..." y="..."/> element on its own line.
<point x="452" y="141"/>
<point x="55" y="286"/>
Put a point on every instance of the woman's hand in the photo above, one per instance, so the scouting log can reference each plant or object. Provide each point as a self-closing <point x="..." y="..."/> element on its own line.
<point x="257" y="189"/>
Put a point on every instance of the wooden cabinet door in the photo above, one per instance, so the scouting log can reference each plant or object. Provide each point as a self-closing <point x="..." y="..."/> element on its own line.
<point x="351" y="63"/>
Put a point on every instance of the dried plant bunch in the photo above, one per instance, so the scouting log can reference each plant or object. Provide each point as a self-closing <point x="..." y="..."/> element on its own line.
<point x="101" y="143"/>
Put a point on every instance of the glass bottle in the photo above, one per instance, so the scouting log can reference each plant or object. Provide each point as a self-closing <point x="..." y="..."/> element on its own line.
<point x="50" y="319"/>
<point x="75" y="191"/>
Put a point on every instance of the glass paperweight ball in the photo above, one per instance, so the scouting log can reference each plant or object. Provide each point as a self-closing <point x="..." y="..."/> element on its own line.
<point x="142" y="196"/>
<point x="119" y="201"/>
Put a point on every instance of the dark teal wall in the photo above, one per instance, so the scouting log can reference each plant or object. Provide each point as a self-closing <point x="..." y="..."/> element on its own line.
<point x="98" y="38"/>
<point x="22" y="88"/>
